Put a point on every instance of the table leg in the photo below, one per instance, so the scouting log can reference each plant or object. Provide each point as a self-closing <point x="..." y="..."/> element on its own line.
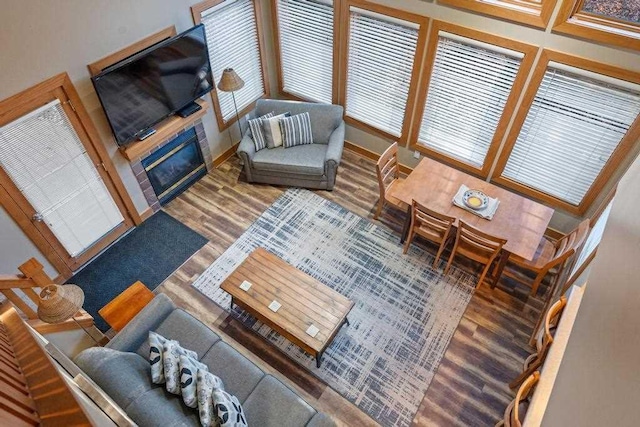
<point x="232" y="303"/>
<point x="497" y="273"/>
<point x="406" y="225"/>
<point x="318" y="359"/>
<point x="346" y="322"/>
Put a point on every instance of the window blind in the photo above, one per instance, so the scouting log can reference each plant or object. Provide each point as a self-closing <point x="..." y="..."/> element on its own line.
<point x="575" y="123"/>
<point x="46" y="160"/>
<point x="306" y="48"/>
<point x="380" y="65"/>
<point x="469" y="87"/>
<point x="232" y="40"/>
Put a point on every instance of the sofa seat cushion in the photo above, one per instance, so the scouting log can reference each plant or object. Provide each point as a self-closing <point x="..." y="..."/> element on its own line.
<point x="123" y="376"/>
<point x="239" y="375"/>
<point x="302" y="159"/>
<point x="272" y="404"/>
<point x="158" y="407"/>
<point x="187" y="330"/>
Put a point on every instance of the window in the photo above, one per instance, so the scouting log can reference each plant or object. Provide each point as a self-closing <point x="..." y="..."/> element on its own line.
<point x="233" y="39"/>
<point x="306" y="36"/>
<point x="530" y="12"/>
<point x="471" y="82"/>
<point x="579" y="125"/>
<point x="381" y="67"/>
<point x="615" y="22"/>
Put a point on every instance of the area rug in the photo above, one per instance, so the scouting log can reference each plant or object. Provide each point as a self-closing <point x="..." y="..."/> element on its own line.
<point x="149" y="253"/>
<point x="405" y="312"/>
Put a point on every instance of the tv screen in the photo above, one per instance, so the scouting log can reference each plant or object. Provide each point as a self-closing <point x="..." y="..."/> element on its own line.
<point x="153" y="84"/>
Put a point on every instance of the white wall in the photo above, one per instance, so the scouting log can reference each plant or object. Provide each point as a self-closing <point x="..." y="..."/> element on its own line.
<point x="40" y="39"/>
<point x="598" y="383"/>
<point x="542" y="38"/>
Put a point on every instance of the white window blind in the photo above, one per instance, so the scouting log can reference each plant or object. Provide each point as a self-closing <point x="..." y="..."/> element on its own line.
<point x="232" y="39"/>
<point x="380" y="63"/>
<point x="306" y="48"/>
<point x="576" y="121"/>
<point x="46" y="160"/>
<point x="469" y="87"/>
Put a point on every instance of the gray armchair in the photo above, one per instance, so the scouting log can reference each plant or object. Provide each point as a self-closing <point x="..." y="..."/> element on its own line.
<point x="310" y="166"/>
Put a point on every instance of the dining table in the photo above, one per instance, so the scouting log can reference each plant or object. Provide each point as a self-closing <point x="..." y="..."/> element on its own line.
<point x="521" y="221"/>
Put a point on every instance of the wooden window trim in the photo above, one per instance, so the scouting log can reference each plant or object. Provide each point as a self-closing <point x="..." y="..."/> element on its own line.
<point x="572" y="21"/>
<point x="337" y="9"/>
<point x="518" y="85"/>
<point x="345" y="30"/>
<point x="60" y="87"/>
<point x="505" y="9"/>
<point x="196" y="11"/>
<point x="620" y="153"/>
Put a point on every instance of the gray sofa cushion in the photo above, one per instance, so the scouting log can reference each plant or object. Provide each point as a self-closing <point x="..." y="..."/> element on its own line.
<point x="303" y="159"/>
<point x="158" y="407"/>
<point x="239" y="375"/>
<point x="321" y="420"/>
<point x="136" y="333"/>
<point x="123" y="376"/>
<point x="272" y="404"/>
<point x="325" y="118"/>
<point x="187" y="330"/>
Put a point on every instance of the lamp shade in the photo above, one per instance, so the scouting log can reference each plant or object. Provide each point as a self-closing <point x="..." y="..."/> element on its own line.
<point x="230" y="81"/>
<point x="59" y="303"/>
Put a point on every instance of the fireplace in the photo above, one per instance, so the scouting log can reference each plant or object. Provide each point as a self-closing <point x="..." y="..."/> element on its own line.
<point x="175" y="166"/>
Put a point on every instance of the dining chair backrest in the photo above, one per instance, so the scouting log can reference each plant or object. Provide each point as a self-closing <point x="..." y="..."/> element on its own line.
<point x="551" y="319"/>
<point x="387" y="168"/>
<point x="477" y="245"/>
<point x="439" y="223"/>
<point x="566" y="247"/>
<point x="525" y="390"/>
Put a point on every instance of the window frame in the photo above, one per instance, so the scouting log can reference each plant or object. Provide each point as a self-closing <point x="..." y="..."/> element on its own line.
<point x="345" y="32"/>
<point x="573" y="21"/>
<point x="196" y="12"/>
<point x="506" y="9"/>
<point x="337" y="10"/>
<point x="613" y="163"/>
<point x="526" y="66"/>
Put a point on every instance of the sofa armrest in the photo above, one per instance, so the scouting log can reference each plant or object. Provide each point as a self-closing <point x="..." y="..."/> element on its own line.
<point x="136" y="332"/>
<point x="335" y="145"/>
<point x="246" y="150"/>
<point x="334" y="155"/>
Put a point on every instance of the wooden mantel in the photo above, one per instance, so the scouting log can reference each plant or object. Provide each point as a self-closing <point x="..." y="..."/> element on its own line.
<point x="164" y="130"/>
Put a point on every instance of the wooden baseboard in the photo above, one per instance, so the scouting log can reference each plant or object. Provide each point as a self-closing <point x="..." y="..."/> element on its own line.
<point x="364" y="152"/>
<point x="226" y="155"/>
<point x="146" y="214"/>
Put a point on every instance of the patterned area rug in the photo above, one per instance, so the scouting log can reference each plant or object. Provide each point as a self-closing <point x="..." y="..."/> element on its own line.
<point x="405" y="312"/>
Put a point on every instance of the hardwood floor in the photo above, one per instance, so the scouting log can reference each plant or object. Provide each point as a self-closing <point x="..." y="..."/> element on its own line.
<point x="486" y="352"/>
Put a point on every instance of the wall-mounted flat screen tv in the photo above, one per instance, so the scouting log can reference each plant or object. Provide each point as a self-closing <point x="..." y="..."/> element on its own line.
<point x="144" y="89"/>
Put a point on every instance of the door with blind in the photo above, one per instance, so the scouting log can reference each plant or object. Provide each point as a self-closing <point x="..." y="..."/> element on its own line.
<point x="51" y="172"/>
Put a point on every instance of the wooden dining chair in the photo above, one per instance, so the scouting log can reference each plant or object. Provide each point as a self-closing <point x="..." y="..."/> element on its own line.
<point x="431" y="225"/>
<point x="388" y="175"/>
<point x="543" y="342"/>
<point x="516" y="410"/>
<point x="477" y="246"/>
<point x="550" y="258"/>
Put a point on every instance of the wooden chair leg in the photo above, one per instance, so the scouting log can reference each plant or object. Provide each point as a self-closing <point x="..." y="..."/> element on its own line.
<point x="446" y="269"/>
<point x="407" y="242"/>
<point x="439" y="253"/>
<point x="379" y="209"/>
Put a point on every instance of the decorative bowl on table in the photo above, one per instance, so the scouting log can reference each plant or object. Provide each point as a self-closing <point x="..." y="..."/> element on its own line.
<point x="475" y="199"/>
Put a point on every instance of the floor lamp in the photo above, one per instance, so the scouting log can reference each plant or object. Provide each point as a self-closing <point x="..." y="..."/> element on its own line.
<point x="231" y="82"/>
<point x="61" y="302"/>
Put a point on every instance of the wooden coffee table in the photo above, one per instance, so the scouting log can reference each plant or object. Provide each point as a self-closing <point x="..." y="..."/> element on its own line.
<point x="305" y="301"/>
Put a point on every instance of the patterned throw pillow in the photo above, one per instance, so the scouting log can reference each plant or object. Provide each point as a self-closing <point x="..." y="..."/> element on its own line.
<point x="296" y="130"/>
<point x="171" y="352"/>
<point x="188" y="369"/>
<point x="156" y="342"/>
<point x="206" y="382"/>
<point x="272" y="131"/>
<point x="228" y="410"/>
<point x="257" y="133"/>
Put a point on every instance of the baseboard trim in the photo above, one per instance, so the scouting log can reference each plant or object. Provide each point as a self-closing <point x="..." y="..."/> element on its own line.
<point x="372" y="155"/>
<point x="226" y="155"/>
<point x="146" y="214"/>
